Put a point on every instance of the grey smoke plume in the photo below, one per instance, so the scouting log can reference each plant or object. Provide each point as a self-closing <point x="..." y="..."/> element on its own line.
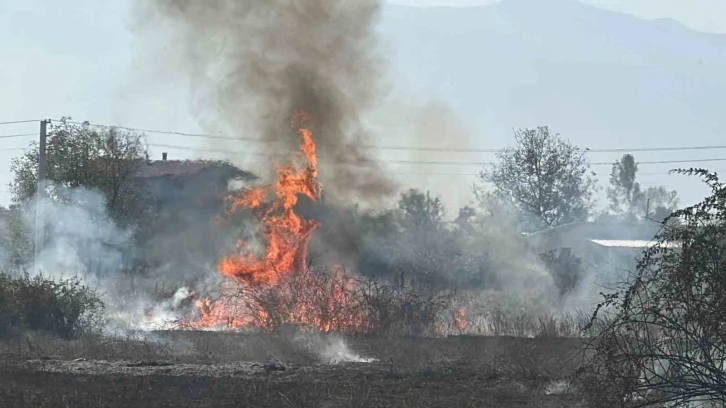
<point x="82" y="241"/>
<point x="81" y="238"/>
<point x="253" y="63"/>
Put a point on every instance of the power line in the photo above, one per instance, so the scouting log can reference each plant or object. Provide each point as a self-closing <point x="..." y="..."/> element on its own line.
<point x="20" y="135"/>
<point x="467" y="150"/>
<point x="167" y="132"/>
<point x="220" y="150"/>
<point x="676" y="161"/>
<point x="21" y="121"/>
<point x="425" y="162"/>
<point x="654" y="149"/>
<point x="410" y="148"/>
<point x="13" y="149"/>
<point x="477" y="174"/>
<point x="402" y="148"/>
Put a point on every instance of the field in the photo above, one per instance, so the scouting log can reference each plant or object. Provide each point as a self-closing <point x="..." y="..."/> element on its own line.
<point x="288" y="369"/>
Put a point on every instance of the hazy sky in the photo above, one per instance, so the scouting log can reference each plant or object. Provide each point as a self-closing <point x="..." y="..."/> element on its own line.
<point x="77" y="58"/>
<point x="702" y="15"/>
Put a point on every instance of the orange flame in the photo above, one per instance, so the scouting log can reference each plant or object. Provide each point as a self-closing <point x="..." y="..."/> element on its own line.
<point x="287" y="237"/>
<point x="460" y="321"/>
<point x="286" y="233"/>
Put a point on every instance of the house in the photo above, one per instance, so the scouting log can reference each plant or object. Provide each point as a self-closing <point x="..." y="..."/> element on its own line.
<point x="188" y="198"/>
<point x="177" y="184"/>
<point x="587" y="235"/>
<point x="608" y="245"/>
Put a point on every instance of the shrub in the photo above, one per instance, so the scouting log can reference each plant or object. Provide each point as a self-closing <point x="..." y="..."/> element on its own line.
<point x="519" y="314"/>
<point x="566" y="269"/>
<point x="327" y="302"/>
<point x="65" y="308"/>
<point x="399" y="310"/>
<point x="667" y="322"/>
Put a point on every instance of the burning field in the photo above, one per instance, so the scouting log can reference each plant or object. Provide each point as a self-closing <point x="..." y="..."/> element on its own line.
<point x="314" y="303"/>
<point x="283" y="332"/>
<point x="281" y="274"/>
<point x="224" y="369"/>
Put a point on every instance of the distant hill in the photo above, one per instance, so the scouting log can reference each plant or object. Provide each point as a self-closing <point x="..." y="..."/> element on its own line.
<point x="600" y="78"/>
<point x="583" y="70"/>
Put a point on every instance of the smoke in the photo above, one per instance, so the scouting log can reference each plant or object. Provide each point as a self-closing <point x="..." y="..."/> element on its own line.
<point x="430" y="122"/>
<point x="330" y="349"/>
<point x="82" y="241"/>
<point x="4" y="238"/>
<point x="252" y="64"/>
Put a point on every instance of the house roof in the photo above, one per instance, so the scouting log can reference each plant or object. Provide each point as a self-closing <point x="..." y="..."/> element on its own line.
<point x="609" y="235"/>
<point x="185" y="168"/>
<point x="637" y="244"/>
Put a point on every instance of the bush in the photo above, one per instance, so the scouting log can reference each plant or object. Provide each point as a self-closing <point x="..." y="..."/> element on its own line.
<point x="65" y="308"/>
<point x="565" y="268"/>
<point x="518" y="314"/>
<point x="667" y="328"/>
<point x="324" y="301"/>
<point x="399" y="310"/>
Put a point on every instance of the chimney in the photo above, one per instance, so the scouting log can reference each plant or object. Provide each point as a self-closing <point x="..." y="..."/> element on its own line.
<point x="163" y="156"/>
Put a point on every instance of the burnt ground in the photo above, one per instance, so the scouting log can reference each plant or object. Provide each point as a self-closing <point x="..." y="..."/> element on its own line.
<point x="205" y="369"/>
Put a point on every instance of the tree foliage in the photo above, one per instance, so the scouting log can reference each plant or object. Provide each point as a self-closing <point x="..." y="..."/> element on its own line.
<point x="624" y="192"/>
<point x="658" y="203"/>
<point x="628" y="201"/>
<point x="544" y="176"/>
<point x="420" y="211"/>
<point x="411" y="245"/>
<point x="65" y="308"/>
<point x="15" y="239"/>
<point x="665" y="329"/>
<point x="102" y="159"/>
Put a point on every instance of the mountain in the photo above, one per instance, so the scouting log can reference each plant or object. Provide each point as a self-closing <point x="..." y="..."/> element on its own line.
<point x="600" y="78"/>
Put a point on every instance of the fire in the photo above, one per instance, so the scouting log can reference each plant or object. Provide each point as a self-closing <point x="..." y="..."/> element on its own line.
<point x="460" y="321"/>
<point x="287" y="234"/>
<point x="287" y="238"/>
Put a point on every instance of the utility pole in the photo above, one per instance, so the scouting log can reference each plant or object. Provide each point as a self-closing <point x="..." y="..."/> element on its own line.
<point x="40" y="197"/>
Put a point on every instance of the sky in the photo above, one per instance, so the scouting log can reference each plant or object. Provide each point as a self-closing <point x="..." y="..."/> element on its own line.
<point x="79" y="59"/>
<point x="702" y="15"/>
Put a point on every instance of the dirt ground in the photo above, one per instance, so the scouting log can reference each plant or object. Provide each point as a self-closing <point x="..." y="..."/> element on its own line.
<point x="207" y="369"/>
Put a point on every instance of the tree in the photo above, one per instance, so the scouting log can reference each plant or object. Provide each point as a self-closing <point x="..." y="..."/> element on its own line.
<point x="545" y="177"/>
<point x="104" y="159"/>
<point x="421" y="211"/>
<point x="411" y="244"/>
<point x="624" y="192"/>
<point x="658" y="203"/>
<point x="424" y="251"/>
<point x="664" y="333"/>
<point x="15" y="237"/>
<point x="629" y="203"/>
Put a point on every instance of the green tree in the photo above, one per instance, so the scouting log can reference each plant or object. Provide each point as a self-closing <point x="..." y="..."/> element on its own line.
<point x="630" y="203"/>
<point x="15" y="237"/>
<point x="545" y="177"/>
<point x="421" y="211"/>
<point x="658" y="203"/>
<point x="624" y="192"/>
<point x="662" y="335"/>
<point x="103" y="159"/>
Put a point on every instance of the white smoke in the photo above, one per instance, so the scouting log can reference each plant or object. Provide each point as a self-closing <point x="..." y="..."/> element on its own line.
<point x="140" y="312"/>
<point x="83" y="242"/>
<point x="330" y="349"/>
<point x="81" y="239"/>
<point x="4" y="240"/>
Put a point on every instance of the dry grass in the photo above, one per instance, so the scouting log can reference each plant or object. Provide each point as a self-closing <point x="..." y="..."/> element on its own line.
<point x="409" y="372"/>
<point x="493" y="313"/>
